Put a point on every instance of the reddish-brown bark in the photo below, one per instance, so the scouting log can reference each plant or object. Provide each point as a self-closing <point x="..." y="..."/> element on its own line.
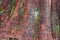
<point x="45" y="21"/>
<point x="12" y="22"/>
<point x="5" y="16"/>
<point x="26" y="29"/>
<point x="29" y="19"/>
<point x="54" y="22"/>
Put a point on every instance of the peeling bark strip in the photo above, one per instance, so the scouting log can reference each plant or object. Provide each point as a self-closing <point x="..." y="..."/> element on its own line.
<point x="45" y="20"/>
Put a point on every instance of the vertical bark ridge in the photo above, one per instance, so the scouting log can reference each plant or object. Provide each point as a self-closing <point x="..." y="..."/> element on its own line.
<point x="45" y="21"/>
<point x="29" y="19"/>
<point x="54" y="20"/>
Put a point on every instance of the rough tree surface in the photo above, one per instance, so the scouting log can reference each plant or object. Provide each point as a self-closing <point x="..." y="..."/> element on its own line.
<point x="27" y="20"/>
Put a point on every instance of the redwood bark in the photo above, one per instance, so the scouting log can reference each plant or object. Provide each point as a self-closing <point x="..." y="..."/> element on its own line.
<point x="5" y="16"/>
<point x="45" y="20"/>
<point x="54" y="20"/>
<point x="27" y="26"/>
<point x="8" y="30"/>
<point x="58" y="13"/>
<point x="29" y="19"/>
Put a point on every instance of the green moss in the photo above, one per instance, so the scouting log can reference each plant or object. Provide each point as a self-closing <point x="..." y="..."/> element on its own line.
<point x="21" y="14"/>
<point x="16" y="28"/>
<point x="36" y="24"/>
<point x="12" y="7"/>
<point x="2" y="11"/>
<point x="34" y="36"/>
<point x="58" y="29"/>
<point x="37" y="16"/>
<point x="22" y="10"/>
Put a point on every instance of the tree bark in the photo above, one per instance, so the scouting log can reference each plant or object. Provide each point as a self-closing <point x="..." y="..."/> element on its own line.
<point x="29" y="19"/>
<point x="45" y="20"/>
<point x="9" y="29"/>
<point x="58" y="13"/>
<point x="54" y="20"/>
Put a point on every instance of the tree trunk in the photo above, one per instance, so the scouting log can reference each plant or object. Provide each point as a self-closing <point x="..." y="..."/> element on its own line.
<point x="54" y="20"/>
<point x="31" y="7"/>
<point x="58" y="13"/>
<point x="45" y="20"/>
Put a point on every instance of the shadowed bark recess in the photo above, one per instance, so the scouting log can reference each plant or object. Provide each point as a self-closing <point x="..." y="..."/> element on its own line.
<point x="54" y="20"/>
<point x="58" y="13"/>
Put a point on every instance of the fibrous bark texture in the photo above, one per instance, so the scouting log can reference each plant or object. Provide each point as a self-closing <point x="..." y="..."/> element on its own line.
<point x="27" y="20"/>
<point x="45" y="20"/>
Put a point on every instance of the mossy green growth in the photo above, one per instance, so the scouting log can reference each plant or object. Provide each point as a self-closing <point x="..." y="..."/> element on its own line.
<point x="35" y="36"/>
<point x="12" y="7"/>
<point x="16" y="28"/>
<point x="36" y="23"/>
<point x="21" y="13"/>
<point x="58" y="29"/>
<point x="22" y="10"/>
<point x="37" y="16"/>
<point x="2" y="11"/>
